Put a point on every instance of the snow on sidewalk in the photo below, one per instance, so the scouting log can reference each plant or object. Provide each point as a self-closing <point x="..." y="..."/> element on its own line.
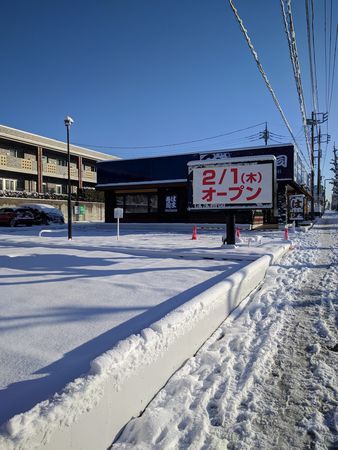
<point x="267" y="378"/>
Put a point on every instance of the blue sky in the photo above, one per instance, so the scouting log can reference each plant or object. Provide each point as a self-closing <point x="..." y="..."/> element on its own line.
<point x="155" y="72"/>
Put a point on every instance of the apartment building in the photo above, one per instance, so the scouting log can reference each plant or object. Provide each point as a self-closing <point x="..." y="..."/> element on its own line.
<point x="32" y="165"/>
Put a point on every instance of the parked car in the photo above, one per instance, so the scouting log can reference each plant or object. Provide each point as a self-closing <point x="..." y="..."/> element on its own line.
<point x="16" y="216"/>
<point x="44" y="214"/>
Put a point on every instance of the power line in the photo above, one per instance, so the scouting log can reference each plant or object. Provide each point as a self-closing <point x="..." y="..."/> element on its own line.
<point x="265" y="78"/>
<point x="169" y="145"/>
<point x="309" y="42"/>
<point x="333" y="70"/>
<point x="331" y="93"/>
<point x="291" y="37"/>
<point x="325" y="55"/>
<point x="330" y="47"/>
<point x="314" y="52"/>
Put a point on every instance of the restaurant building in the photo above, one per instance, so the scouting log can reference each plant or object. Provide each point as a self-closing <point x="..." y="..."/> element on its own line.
<point x="156" y="189"/>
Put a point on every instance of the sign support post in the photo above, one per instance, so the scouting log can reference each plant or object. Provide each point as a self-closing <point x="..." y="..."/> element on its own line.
<point x="231" y="231"/>
<point x="118" y="214"/>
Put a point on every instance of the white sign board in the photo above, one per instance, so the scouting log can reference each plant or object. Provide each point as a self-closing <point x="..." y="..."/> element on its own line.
<point x="171" y="203"/>
<point x="235" y="183"/>
<point x="118" y="213"/>
<point x="296" y="207"/>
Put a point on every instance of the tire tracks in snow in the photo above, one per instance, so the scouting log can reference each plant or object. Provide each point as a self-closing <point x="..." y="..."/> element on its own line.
<point x="297" y="403"/>
<point x="265" y="379"/>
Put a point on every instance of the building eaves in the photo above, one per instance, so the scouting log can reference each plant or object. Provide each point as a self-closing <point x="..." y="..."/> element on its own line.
<point x="51" y="144"/>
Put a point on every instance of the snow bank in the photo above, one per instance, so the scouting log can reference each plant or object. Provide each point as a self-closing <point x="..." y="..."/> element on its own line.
<point x="92" y="410"/>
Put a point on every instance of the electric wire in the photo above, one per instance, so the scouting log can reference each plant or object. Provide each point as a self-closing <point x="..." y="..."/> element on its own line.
<point x="308" y="29"/>
<point x="314" y="52"/>
<point x="169" y="145"/>
<point x="333" y="71"/>
<point x="291" y="38"/>
<point x="276" y="140"/>
<point x="330" y="47"/>
<point x="330" y="103"/>
<point x="312" y="60"/>
<point x="330" y="100"/>
<point x="325" y="56"/>
<point x="265" y="78"/>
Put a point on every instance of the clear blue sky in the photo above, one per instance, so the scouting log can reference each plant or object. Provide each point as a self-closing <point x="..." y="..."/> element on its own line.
<point x="152" y="72"/>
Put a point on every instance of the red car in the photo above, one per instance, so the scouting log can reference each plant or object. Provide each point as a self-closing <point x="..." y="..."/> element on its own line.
<point x="13" y="217"/>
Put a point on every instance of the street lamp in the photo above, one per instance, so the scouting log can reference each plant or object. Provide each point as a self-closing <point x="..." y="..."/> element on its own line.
<point x="68" y="122"/>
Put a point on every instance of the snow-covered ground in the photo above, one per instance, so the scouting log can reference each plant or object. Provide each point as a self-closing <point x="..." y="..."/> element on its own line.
<point x="65" y="303"/>
<point x="267" y="378"/>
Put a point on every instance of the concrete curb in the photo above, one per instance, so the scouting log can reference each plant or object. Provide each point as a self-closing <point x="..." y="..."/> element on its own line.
<point x="92" y="410"/>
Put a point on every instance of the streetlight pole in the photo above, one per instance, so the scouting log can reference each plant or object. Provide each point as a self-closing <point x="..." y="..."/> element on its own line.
<point x="68" y="122"/>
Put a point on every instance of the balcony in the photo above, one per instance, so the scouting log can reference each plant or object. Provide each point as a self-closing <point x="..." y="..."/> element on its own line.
<point x="21" y="165"/>
<point x="88" y="175"/>
<point x="29" y="166"/>
<point x="54" y="170"/>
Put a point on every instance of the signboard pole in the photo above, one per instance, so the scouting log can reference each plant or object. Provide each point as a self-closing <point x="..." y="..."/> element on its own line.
<point x="231" y="232"/>
<point x="118" y="214"/>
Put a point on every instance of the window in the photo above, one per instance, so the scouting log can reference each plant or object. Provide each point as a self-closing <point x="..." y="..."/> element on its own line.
<point x="136" y="203"/>
<point x="17" y="153"/>
<point x="54" y="188"/>
<point x="88" y="168"/>
<point x="153" y="203"/>
<point x="142" y="203"/>
<point x="119" y="201"/>
<point x="8" y="184"/>
<point x="30" y="185"/>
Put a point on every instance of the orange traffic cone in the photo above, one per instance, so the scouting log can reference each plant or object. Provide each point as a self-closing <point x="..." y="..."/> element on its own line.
<point x="194" y="233"/>
<point x="286" y="233"/>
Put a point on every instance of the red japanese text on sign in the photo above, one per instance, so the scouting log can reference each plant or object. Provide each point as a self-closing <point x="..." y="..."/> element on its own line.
<point x="232" y="184"/>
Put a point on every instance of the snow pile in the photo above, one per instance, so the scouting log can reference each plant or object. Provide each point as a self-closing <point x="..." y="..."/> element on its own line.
<point x="267" y="378"/>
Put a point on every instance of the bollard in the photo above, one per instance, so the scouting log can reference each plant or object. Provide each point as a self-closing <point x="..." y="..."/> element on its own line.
<point x="194" y="233"/>
<point x="286" y="233"/>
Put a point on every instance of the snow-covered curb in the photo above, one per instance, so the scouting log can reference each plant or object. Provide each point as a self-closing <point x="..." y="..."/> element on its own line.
<point x="91" y="411"/>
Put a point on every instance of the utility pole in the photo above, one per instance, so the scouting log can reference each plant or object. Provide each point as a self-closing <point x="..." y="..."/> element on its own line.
<point x="334" y="200"/>
<point x="316" y="118"/>
<point x="312" y="162"/>
<point x="322" y="139"/>
<point x="265" y="134"/>
<point x="318" y="168"/>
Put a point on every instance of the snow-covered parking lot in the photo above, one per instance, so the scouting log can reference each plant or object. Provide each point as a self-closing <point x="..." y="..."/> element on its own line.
<point x="63" y="302"/>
